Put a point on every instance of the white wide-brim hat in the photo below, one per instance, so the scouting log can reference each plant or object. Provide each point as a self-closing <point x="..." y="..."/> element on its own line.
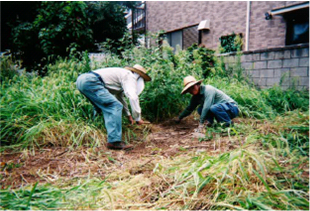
<point x="189" y="81"/>
<point x="140" y="70"/>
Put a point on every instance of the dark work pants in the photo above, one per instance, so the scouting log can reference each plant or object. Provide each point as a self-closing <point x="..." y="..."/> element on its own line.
<point x="222" y="112"/>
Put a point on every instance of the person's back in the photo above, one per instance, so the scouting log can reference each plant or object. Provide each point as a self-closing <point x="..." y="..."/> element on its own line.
<point x="218" y="96"/>
<point x="114" y="77"/>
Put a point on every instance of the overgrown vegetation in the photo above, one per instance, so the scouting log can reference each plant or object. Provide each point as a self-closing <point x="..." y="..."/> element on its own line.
<point x="204" y="57"/>
<point x="35" y="101"/>
<point x="59" y="26"/>
<point x="265" y="171"/>
<point x="8" y="69"/>
<point x="230" y="43"/>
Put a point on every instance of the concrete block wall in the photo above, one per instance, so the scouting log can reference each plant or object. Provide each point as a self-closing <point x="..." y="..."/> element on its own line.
<point x="287" y="66"/>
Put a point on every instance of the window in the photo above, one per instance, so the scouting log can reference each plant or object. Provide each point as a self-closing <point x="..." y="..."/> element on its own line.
<point x="297" y="27"/>
<point x="184" y="37"/>
<point x="297" y="22"/>
<point x="175" y="38"/>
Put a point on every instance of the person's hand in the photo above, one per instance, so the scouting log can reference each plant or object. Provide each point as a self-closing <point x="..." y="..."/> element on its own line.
<point x="131" y="120"/>
<point x="140" y="122"/>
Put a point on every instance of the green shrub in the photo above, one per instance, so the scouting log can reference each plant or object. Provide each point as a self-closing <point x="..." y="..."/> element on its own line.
<point x="230" y="43"/>
<point x="286" y="100"/>
<point x="117" y="46"/>
<point x="8" y="68"/>
<point x="204" y="57"/>
<point x="57" y="26"/>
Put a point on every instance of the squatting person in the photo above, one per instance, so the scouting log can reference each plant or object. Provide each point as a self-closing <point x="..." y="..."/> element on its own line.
<point x="213" y="104"/>
<point x="106" y="89"/>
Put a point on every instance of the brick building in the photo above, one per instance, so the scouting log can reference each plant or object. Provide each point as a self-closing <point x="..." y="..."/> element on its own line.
<point x="275" y="34"/>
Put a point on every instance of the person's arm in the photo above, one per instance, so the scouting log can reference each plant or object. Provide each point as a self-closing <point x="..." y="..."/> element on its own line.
<point x="208" y="102"/>
<point x="120" y="96"/>
<point x="129" y="85"/>
<point x="190" y="108"/>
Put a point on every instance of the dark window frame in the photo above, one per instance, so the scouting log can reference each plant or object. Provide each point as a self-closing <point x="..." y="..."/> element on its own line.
<point x="292" y="18"/>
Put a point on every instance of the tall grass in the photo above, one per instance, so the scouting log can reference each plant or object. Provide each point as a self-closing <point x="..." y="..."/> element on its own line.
<point x="33" y="107"/>
<point x="263" y="172"/>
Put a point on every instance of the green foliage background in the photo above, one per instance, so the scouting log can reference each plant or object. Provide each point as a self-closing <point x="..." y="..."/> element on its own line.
<point x="107" y="20"/>
<point x="60" y="26"/>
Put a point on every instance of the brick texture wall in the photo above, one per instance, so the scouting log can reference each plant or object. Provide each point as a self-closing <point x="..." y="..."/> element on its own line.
<point x="225" y="17"/>
<point x="168" y="16"/>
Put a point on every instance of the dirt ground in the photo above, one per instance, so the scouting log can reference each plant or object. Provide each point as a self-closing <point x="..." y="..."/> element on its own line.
<point x="166" y="139"/>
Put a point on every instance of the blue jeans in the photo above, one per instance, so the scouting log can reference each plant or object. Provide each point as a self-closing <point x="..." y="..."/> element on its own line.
<point x="222" y="112"/>
<point x="90" y="86"/>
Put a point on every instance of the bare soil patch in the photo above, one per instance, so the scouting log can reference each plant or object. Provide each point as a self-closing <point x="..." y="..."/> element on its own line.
<point x="166" y="139"/>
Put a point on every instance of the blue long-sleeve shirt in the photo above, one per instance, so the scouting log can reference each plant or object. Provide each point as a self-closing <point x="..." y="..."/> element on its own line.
<point x="207" y="97"/>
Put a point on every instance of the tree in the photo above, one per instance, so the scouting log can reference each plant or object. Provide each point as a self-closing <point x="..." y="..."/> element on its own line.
<point x="108" y="20"/>
<point x="12" y="14"/>
<point x="60" y="25"/>
<point x="57" y="26"/>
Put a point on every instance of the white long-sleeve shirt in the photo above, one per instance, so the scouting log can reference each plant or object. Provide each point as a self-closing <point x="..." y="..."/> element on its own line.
<point x="120" y="81"/>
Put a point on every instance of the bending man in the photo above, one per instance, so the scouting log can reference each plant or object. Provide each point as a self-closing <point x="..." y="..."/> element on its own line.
<point x="106" y="89"/>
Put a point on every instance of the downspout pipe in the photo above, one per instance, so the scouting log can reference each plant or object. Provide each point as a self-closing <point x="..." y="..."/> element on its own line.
<point x="247" y="33"/>
<point x="145" y="26"/>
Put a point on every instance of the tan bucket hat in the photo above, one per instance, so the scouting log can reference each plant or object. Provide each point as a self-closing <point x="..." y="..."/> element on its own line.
<point x="140" y="70"/>
<point x="189" y="81"/>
